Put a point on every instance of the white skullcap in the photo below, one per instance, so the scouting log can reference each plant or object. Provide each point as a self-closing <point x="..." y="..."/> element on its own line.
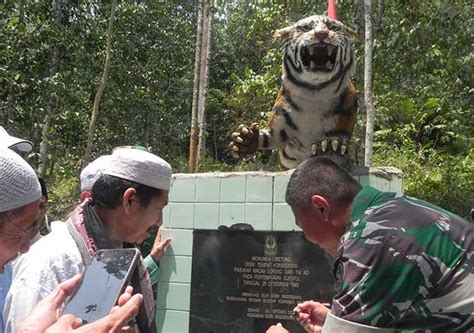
<point x="19" y="185"/>
<point x="141" y="167"/>
<point x="92" y="172"/>
<point x="8" y="141"/>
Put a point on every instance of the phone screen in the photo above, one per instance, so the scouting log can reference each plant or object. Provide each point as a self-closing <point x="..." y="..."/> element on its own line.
<point x="102" y="283"/>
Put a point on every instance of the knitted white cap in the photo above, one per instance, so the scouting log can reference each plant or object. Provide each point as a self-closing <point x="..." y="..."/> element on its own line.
<point x="141" y="167"/>
<point x="19" y="185"/>
<point x="92" y="172"/>
<point x="8" y="141"/>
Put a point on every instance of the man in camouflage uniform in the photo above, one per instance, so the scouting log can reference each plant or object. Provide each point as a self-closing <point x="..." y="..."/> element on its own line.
<point x="401" y="264"/>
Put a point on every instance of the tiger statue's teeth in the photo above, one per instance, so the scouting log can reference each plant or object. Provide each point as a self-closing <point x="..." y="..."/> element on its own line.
<point x="329" y="65"/>
<point x="312" y="64"/>
<point x="311" y="50"/>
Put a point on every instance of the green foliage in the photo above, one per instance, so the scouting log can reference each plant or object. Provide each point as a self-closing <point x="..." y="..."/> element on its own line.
<point x="444" y="179"/>
<point x="63" y="194"/>
<point x="52" y="54"/>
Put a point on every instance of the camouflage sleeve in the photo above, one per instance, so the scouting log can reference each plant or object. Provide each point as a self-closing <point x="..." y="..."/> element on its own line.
<point x="376" y="284"/>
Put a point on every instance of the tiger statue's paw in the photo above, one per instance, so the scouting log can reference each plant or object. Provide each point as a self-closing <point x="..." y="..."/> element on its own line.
<point x="331" y="145"/>
<point x="244" y="141"/>
<point x="337" y="148"/>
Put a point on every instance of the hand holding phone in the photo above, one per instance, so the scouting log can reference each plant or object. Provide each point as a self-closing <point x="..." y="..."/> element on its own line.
<point x="102" y="283"/>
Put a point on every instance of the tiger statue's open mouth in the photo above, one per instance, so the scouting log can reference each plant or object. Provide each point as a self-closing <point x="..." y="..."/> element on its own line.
<point x="319" y="57"/>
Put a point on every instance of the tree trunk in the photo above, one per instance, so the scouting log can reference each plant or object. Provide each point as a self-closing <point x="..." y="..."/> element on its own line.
<point x="369" y="107"/>
<point x="100" y="90"/>
<point x="44" y="146"/>
<point x="193" y="140"/>
<point x="52" y="100"/>
<point x="204" y="80"/>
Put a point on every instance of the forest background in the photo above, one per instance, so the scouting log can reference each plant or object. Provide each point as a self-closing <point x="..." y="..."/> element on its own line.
<point x="52" y="54"/>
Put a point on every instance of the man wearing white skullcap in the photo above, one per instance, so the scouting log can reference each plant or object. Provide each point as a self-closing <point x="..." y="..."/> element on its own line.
<point x="8" y="141"/>
<point x="91" y="173"/>
<point x="20" y="194"/>
<point x="20" y="198"/>
<point x="88" y="177"/>
<point x="127" y="200"/>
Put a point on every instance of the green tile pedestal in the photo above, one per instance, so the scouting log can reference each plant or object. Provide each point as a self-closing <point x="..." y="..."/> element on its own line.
<point x="208" y="200"/>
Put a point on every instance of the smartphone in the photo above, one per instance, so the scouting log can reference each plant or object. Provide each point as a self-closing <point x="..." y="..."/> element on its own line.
<point x="102" y="283"/>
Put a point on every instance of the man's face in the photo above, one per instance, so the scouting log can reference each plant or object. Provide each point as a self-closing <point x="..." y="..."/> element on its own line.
<point x="316" y="229"/>
<point x="307" y="222"/>
<point x="16" y="232"/>
<point x="141" y="220"/>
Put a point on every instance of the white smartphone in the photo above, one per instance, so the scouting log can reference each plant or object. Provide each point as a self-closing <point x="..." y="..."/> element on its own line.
<point x="102" y="283"/>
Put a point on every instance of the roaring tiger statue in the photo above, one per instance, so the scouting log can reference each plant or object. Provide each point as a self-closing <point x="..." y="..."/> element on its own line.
<point x="316" y="107"/>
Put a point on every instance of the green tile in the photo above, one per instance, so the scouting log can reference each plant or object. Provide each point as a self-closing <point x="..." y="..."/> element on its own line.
<point x="283" y="218"/>
<point x="206" y="216"/>
<point x="173" y="296"/>
<point x="364" y="180"/>
<point x="181" y="215"/>
<point x="172" y="321"/>
<point x="279" y="188"/>
<point x="181" y="242"/>
<point x="207" y="189"/>
<point x="259" y="215"/>
<point x="259" y="189"/>
<point x="166" y="215"/>
<point x="233" y="189"/>
<point x="183" y="189"/>
<point x="175" y="268"/>
<point x="379" y="183"/>
<point x="231" y="213"/>
<point x="396" y="184"/>
<point x="383" y="179"/>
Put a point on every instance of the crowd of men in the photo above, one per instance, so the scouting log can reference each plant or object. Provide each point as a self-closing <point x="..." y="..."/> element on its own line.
<point x="401" y="264"/>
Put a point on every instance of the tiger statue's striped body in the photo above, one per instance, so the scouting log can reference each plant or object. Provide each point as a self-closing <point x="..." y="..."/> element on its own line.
<point x="316" y="107"/>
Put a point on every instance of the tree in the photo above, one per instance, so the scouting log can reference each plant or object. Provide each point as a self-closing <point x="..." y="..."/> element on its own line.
<point x="369" y="106"/>
<point x="201" y="79"/>
<point x="204" y="79"/>
<point x="100" y="90"/>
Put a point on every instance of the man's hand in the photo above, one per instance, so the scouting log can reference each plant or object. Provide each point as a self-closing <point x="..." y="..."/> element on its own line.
<point x="311" y="315"/>
<point x="159" y="247"/>
<point x="113" y="323"/>
<point x="46" y="312"/>
<point x="278" y="328"/>
<point x="44" y="317"/>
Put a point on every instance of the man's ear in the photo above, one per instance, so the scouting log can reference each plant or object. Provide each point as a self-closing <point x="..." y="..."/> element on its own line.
<point x="85" y="195"/>
<point x="129" y="199"/>
<point x="321" y="205"/>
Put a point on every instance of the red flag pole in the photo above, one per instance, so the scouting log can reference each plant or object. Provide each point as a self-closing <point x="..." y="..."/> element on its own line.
<point x="332" y="11"/>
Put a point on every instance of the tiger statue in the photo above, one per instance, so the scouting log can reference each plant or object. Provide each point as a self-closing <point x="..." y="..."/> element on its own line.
<point x="316" y="107"/>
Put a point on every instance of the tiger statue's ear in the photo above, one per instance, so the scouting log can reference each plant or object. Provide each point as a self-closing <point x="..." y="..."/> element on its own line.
<point x="352" y="35"/>
<point x="283" y="33"/>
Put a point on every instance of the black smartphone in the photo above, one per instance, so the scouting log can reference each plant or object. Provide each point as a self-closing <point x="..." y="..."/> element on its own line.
<point x="102" y="283"/>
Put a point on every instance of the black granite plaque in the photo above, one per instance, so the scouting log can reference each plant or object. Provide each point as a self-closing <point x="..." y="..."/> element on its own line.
<point x="245" y="281"/>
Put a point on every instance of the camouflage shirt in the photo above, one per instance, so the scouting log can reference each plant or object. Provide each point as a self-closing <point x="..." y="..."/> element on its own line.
<point x="406" y="264"/>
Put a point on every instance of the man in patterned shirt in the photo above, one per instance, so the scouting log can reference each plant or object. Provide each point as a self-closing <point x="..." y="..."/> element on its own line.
<point x="401" y="264"/>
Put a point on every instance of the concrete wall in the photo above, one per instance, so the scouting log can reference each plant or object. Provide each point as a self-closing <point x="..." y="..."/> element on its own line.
<point x="205" y="201"/>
